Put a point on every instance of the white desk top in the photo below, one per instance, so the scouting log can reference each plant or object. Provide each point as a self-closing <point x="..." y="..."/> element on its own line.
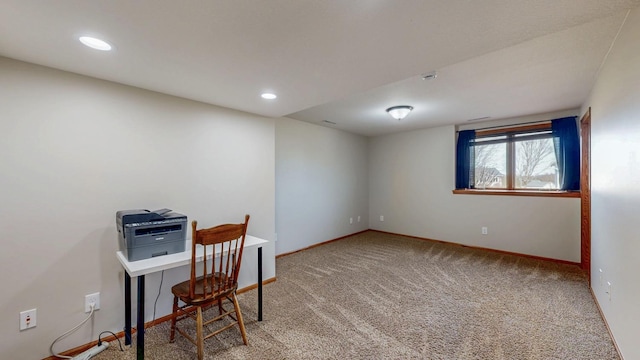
<point x="159" y="263"/>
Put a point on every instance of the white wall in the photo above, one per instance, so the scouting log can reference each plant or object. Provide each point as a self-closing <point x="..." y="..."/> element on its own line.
<point x="321" y="182"/>
<point x="74" y="151"/>
<point x="615" y="179"/>
<point x="411" y="181"/>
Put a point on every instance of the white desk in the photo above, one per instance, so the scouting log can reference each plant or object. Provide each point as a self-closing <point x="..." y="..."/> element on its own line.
<point x="141" y="268"/>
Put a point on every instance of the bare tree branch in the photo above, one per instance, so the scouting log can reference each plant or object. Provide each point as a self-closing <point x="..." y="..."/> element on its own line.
<point x="486" y="174"/>
<point x="530" y="156"/>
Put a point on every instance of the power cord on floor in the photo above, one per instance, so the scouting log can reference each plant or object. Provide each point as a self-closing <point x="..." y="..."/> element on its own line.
<point x="69" y="333"/>
<point x="88" y="354"/>
<point x="114" y="335"/>
<point x="99" y="336"/>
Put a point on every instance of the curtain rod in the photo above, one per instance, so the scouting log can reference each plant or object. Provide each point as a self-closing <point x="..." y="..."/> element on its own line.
<point x="518" y="124"/>
<point x="512" y="125"/>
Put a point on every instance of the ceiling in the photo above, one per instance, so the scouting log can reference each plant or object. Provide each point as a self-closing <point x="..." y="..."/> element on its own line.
<point x="335" y="60"/>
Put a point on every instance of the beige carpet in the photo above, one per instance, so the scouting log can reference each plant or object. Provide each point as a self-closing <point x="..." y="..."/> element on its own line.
<point x="378" y="296"/>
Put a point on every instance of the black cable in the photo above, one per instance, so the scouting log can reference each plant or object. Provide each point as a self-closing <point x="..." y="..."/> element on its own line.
<point x="114" y="335"/>
<point x="157" y="297"/>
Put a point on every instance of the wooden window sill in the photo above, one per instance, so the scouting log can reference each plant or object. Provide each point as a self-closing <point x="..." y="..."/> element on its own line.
<point x="540" y="193"/>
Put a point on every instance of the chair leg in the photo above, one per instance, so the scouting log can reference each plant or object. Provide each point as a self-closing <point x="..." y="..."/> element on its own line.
<point x="174" y="314"/>
<point x="220" y="310"/>
<point x="199" y="335"/>
<point x="239" y="315"/>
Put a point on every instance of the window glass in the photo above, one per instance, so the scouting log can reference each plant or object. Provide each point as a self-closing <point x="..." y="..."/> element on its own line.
<point x="515" y="160"/>
<point x="535" y="165"/>
<point x="490" y="166"/>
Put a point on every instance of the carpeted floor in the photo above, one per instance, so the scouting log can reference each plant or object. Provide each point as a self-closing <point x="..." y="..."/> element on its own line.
<point x="379" y="296"/>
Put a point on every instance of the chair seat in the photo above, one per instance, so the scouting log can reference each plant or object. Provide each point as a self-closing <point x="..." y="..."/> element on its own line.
<point x="181" y="290"/>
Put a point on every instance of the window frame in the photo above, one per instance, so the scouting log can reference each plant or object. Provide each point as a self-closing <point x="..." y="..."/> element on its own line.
<point x="511" y="132"/>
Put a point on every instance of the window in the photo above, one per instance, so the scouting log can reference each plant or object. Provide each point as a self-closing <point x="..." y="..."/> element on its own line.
<point x="515" y="159"/>
<point x="533" y="158"/>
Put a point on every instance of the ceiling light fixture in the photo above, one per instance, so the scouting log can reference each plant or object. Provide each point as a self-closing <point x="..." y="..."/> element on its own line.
<point x="399" y="112"/>
<point x="95" y="43"/>
<point x="269" y="96"/>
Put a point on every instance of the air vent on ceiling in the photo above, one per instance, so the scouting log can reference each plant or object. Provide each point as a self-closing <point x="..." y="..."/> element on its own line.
<point x="430" y="75"/>
<point x="480" y="118"/>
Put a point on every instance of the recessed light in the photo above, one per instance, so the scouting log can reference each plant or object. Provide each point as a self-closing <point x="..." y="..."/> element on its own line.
<point x="95" y="43"/>
<point x="269" y="96"/>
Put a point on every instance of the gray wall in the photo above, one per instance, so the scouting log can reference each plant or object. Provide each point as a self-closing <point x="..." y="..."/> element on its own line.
<point x="411" y="180"/>
<point x="321" y="182"/>
<point x="615" y="171"/>
<point x="74" y="151"/>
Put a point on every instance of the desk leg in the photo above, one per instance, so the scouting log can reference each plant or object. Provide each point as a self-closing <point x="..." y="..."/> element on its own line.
<point x="127" y="308"/>
<point x="140" y="325"/>
<point x="260" y="283"/>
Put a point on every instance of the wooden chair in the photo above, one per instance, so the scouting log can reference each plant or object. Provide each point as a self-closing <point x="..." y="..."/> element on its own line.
<point x="214" y="285"/>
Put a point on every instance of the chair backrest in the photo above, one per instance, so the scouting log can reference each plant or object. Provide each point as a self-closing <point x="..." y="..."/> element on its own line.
<point x="227" y="243"/>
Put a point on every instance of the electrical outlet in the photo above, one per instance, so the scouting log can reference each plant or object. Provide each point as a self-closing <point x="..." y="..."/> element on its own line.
<point x="609" y="289"/>
<point x="358" y="218"/>
<point x="28" y="319"/>
<point x="91" y="299"/>
<point x="600" y="270"/>
<point x="381" y="217"/>
<point x="485" y="230"/>
<point x="350" y="220"/>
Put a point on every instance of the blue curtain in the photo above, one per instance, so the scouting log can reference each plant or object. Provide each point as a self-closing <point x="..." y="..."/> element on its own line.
<point x="464" y="159"/>
<point x="567" y="147"/>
